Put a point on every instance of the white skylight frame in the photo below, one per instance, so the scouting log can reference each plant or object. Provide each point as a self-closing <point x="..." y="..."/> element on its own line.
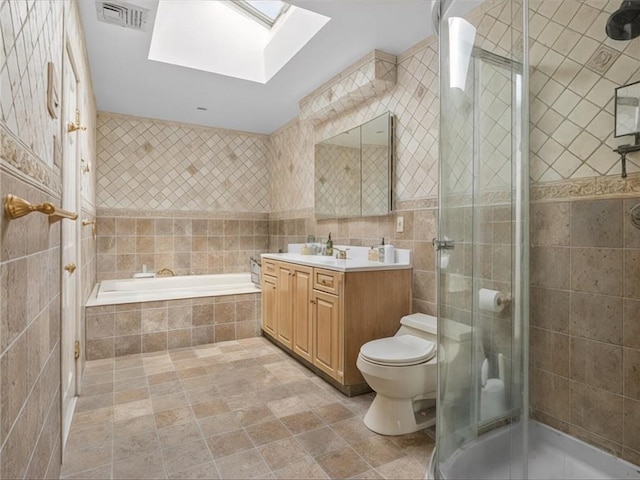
<point x="247" y="7"/>
<point x="210" y="36"/>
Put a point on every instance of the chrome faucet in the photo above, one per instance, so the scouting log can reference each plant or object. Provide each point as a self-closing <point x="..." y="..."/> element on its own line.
<point x="165" y="270"/>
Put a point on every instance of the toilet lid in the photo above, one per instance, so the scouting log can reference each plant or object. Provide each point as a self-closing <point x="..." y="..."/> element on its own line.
<point x="402" y="350"/>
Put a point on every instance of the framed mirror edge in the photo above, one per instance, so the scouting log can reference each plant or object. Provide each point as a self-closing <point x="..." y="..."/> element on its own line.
<point x="390" y="171"/>
<point x="616" y="133"/>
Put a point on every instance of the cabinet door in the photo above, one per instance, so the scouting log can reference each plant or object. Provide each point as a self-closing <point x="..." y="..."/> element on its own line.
<point x="284" y="302"/>
<point x="302" y="315"/>
<point x="327" y="338"/>
<point x="269" y="312"/>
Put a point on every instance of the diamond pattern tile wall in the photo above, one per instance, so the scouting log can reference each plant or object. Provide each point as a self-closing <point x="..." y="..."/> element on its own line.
<point x="146" y="164"/>
<point x="337" y="180"/>
<point x="575" y="70"/>
<point x="414" y="102"/>
<point x="30" y="33"/>
<point x="369" y="77"/>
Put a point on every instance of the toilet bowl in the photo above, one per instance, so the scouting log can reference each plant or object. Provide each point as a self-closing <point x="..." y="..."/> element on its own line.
<point x="402" y="370"/>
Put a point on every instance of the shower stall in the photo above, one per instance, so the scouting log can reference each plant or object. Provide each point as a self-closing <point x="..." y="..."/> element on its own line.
<point x="483" y="425"/>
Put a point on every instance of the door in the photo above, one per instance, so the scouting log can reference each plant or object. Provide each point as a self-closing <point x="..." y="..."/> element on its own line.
<point x="482" y="234"/>
<point x="302" y="319"/>
<point x="284" y="298"/>
<point x="327" y="341"/>
<point x="70" y="327"/>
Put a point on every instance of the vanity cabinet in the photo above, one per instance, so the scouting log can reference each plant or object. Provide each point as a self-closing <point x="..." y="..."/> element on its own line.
<point x="322" y="317"/>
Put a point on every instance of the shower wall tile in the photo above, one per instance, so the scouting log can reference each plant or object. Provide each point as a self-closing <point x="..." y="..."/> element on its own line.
<point x="631" y="324"/>
<point x="597" y="270"/>
<point x="596" y="364"/>
<point x="598" y="312"/>
<point x="550" y="351"/>
<point x="597" y="411"/>
<point x="550" y="267"/>
<point x="631" y="373"/>
<point x="597" y="224"/>
<point x="575" y="69"/>
<point x="549" y="309"/>
<point x="632" y="273"/>
<point x="597" y="317"/>
<point x="631" y="420"/>
<point x="550" y="394"/>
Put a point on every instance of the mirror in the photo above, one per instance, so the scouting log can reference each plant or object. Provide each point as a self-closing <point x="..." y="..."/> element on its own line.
<point x="627" y="109"/>
<point x="353" y="171"/>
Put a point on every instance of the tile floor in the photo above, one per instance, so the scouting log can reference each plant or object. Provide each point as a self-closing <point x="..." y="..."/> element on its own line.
<point x="238" y="409"/>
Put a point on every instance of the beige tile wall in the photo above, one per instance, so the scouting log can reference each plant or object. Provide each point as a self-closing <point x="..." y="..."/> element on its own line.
<point x="190" y="244"/>
<point x="584" y="268"/>
<point x="153" y="165"/>
<point x="414" y="101"/>
<point x="32" y="36"/>
<point x="585" y="306"/>
<point x="575" y="68"/>
<point x="420" y="225"/>
<point x="125" y="329"/>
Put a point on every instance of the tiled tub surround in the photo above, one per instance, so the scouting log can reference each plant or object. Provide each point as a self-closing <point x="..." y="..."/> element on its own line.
<point x="117" y="330"/>
<point x="585" y="316"/>
<point x="191" y="243"/>
<point x="238" y="409"/>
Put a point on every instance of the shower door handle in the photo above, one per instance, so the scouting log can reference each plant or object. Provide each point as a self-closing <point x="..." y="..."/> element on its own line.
<point x="443" y="244"/>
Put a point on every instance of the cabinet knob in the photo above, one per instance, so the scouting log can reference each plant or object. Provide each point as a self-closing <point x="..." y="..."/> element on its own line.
<point x="312" y="301"/>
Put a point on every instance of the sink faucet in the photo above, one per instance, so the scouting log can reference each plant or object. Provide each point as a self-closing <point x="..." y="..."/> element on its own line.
<point x="165" y="270"/>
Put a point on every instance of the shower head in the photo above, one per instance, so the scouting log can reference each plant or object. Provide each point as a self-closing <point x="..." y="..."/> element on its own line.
<point x="624" y="23"/>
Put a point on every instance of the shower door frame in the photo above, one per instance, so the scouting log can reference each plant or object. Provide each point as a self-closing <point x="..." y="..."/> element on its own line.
<point x="519" y="135"/>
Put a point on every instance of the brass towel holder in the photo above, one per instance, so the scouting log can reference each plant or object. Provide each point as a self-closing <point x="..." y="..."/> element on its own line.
<point x="16" y="207"/>
<point x="86" y="222"/>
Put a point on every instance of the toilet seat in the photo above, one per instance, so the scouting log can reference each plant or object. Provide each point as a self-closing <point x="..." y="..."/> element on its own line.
<point x="399" y="351"/>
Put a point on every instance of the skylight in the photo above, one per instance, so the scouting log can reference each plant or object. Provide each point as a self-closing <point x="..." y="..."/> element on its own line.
<point x="210" y="36"/>
<point x="265" y="12"/>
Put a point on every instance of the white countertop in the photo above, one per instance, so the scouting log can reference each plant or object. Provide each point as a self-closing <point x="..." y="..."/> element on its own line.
<point x="353" y="263"/>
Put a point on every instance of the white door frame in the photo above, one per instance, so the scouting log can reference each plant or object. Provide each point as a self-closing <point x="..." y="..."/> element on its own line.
<point x="70" y="245"/>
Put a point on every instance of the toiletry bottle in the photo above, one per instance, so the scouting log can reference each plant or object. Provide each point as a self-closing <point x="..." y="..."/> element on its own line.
<point x="330" y="246"/>
<point x="381" y="252"/>
<point x="372" y="256"/>
<point x="389" y="254"/>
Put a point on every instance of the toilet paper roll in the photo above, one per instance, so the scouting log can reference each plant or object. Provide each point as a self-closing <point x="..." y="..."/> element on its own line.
<point x="490" y="300"/>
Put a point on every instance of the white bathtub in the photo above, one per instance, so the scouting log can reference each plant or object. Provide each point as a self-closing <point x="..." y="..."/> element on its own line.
<point x="110" y="292"/>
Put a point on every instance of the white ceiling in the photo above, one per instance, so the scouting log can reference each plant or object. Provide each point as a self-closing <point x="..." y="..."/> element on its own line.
<point x="125" y="81"/>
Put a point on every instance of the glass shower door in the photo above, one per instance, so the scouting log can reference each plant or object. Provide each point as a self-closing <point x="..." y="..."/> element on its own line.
<point x="482" y="233"/>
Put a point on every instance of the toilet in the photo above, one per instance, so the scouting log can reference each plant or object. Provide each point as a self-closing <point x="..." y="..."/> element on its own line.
<point x="402" y="370"/>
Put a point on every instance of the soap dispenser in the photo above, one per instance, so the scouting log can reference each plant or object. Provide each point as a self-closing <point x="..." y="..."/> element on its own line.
<point x="330" y="246"/>
<point x="381" y="252"/>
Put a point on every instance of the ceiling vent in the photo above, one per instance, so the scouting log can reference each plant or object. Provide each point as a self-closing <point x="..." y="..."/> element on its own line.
<point x="122" y="14"/>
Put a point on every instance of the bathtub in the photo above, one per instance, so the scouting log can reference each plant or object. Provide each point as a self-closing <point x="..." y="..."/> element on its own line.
<point x="113" y="292"/>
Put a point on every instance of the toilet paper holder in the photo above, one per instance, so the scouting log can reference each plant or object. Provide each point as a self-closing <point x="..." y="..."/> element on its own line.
<point x="504" y="300"/>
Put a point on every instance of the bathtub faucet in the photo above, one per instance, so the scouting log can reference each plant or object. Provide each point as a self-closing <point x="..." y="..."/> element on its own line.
<point x="165" y="271"/>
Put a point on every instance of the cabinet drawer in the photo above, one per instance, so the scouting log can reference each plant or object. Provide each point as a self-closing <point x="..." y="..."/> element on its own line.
<point x="327" y="280"/>
<point x="269" y="267"/>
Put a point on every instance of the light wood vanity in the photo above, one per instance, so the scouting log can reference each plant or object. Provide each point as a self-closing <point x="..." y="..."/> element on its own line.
<point x="322" y="315"/>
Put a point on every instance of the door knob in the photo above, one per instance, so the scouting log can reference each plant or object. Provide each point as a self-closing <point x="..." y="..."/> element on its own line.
<point x="70" y="267"/>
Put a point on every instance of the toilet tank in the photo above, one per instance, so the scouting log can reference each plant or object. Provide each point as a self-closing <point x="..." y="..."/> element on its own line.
<point x="420" y="325"/>
<point x="426" y="326"/>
